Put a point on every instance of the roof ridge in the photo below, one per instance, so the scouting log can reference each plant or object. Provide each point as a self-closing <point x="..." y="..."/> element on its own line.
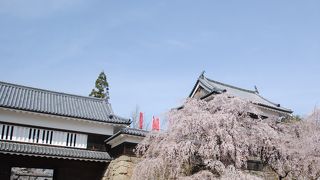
<point x="231" y="86"/>
<point x="50" y="91"/>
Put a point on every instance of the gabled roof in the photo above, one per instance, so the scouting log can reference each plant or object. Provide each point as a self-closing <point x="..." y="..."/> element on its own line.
<point x="56" y="103"/>
<point x="7" y="147"/>
<point x="215" y="87"/>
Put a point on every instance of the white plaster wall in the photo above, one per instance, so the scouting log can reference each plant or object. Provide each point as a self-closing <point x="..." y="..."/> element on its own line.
<point x="26" y="118"/>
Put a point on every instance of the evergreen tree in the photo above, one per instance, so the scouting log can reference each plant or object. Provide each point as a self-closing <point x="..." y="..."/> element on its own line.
<point x="102" y="87"/>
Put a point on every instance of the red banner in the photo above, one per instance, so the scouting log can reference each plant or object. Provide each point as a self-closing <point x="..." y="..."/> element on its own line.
<point x="155" y="123"/>
<point x="141" y="120"/>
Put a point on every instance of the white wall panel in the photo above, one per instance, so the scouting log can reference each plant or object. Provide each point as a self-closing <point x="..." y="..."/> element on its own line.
<point x="55" y="122"/>
<point x="42" y="136"/>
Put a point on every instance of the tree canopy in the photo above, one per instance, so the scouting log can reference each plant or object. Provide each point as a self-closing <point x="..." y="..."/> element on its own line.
<point x="101" y="87"/>
<point x="215" y="139"/>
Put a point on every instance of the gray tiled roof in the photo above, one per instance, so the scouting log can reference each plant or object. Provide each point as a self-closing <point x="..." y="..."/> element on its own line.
<point x="62" y="104"/>
<point x="134" y="131"/>
<point x="129" y="131"/>
<point x="7" y="147"/>
<point x="252" y="96"/>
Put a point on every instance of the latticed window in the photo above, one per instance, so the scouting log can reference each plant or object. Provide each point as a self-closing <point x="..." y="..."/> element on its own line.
<point x="6" y="132"/>
<point x="42" y="136"/>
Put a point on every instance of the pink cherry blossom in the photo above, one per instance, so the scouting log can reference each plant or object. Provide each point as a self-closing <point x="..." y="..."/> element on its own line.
<point x="215" y="139"/>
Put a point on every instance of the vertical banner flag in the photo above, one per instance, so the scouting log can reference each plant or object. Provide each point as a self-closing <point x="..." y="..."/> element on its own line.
<point x="155" y="123"/>
<point x="152" y="122"/>
<point x="141" y="120"/>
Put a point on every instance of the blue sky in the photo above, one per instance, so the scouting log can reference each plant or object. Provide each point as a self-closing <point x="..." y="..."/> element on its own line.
<point x="153" y="51"/>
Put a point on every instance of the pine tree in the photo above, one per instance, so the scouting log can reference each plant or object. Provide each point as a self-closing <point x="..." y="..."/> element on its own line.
<point x="102" y="87"/>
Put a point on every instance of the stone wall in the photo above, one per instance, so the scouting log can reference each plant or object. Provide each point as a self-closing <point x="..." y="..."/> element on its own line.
<point x="120" y="169"/>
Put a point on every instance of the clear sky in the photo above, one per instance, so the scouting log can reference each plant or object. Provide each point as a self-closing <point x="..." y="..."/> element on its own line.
<point x="153" y="51"/>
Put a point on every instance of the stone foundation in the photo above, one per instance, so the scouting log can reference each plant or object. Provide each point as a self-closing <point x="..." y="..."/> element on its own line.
<point x="120" y="169"/>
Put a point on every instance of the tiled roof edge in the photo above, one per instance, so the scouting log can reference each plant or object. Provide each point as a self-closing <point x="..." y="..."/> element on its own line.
<point x="123" y="131"/>
<point x="9" y="150"/>
<point x="282" y="109"/>
<point x="285" y="109"/>
<point x="53" y="92"/>
<point x="126" y="121"/>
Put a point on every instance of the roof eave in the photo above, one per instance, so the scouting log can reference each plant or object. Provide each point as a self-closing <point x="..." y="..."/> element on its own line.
<point x="121" y="133"/>
<point x="194" y="88"/>
<point x="209" y="94"/>
<point x="274" y="108"/>
<point x="66" y="116"/>
<point x="9" y="144"/>
<point x="259" y="104"/>
<point x="56" y="157"/>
